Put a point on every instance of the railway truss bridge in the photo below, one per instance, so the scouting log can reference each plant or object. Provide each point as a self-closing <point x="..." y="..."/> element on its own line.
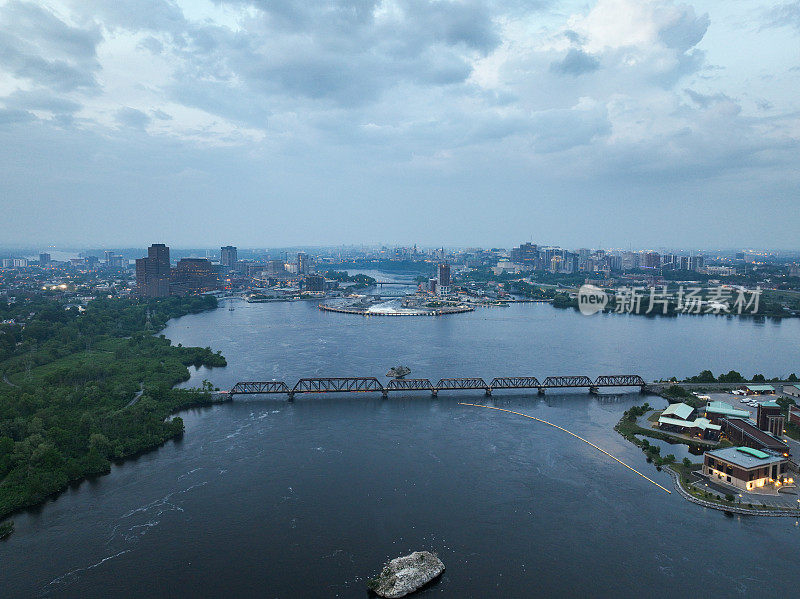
<point x="369" y="384"/>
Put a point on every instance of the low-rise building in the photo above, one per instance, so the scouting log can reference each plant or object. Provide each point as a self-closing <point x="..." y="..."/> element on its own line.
<point x="715" y="411"/>
<point x="743" y="467"/>
<point x="759" y="389"/>
<point x="675" y="418"/>
<point x="769" y="417"/>
<point x="745" y="432"/>
<point x="794" y="415"/>
<point x="793" y="390"/>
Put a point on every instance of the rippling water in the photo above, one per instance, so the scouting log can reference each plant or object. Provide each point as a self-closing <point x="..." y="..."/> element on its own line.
<point x="263" y="498"/>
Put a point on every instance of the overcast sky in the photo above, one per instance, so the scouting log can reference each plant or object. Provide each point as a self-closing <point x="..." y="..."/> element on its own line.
<point x="454" y="122"/>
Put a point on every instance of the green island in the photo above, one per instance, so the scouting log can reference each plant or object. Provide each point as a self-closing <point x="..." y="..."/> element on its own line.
<point x="81" y="388"/>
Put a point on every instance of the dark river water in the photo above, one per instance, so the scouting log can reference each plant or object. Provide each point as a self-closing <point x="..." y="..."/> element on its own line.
<point x="264" y="498"/>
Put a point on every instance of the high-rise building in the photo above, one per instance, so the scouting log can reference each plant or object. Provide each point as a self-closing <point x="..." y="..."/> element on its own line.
<point x="152" y="273"/>
<point x="228" y="256"/>
<point x="652" y="260"/>
<point x="193" y="275"/>
<point x="276" y="267"/>
<point x="108" y="255"/>
<point x="44" y="259"/>
<point x="527" y="254"/>
<point x="444" y="274"/>
<point x="303" y="263"/>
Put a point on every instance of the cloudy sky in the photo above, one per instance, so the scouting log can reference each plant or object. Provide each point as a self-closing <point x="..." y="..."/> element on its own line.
<point x="613" y="123"/>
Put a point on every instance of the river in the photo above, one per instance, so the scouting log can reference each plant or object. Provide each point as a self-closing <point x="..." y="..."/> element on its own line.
<point x="264" y="498"/>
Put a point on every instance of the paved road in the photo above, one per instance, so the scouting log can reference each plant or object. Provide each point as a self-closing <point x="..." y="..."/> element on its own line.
<point x="135" y="397"/>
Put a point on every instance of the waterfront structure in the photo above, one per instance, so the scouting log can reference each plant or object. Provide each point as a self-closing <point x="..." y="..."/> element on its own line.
<point x="743" y="467"/>
<point x="675" y="418"/>
<point x="228" y="256"/>
<point x="745" y="432"/>
<point x="193" y="275"/>
<point x="153" y="272"/>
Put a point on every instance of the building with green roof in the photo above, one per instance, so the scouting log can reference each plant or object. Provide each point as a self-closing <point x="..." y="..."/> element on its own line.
<point x="745" y="468"/>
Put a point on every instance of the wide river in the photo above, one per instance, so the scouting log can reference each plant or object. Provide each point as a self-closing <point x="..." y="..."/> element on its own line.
<point x="264" y="498"/>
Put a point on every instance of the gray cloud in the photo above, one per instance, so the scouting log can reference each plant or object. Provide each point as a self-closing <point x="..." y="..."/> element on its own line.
<point x="706" y="100"/>
<point x="783" y="15"/>
<point x="575" y="63"/>
<point x="40" y="99"/>
<point x="13" y="116"/>
<point x="37" y="45"/>
<point x="130" y="117"/>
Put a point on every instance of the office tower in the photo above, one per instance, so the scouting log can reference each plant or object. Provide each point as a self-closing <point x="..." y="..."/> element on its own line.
<point x="303" y="263"/>
<point x="193" y="275"/>
<point x="152" y="273"/>
<point x="228" y="256"/>
<point x="44" y="259"/>
<point x="444" y="274"/>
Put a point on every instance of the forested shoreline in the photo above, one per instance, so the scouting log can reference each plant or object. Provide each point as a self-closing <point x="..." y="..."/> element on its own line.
<point x="83" y="388"/>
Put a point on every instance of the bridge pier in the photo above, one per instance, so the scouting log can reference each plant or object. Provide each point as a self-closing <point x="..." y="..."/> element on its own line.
<point x="643" y="389"/>
<point x="594" y="390"/>
<point x="290" y="396"/>
<point x="488" y="392"/>
<point x="434" y="393"/>
<point x="384" y="394"/>
<point x="541" y="390"/>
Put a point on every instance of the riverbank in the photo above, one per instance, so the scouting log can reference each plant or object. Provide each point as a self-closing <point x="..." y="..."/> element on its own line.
<point x="715" y="502"/>
<point x="70" y="415"/>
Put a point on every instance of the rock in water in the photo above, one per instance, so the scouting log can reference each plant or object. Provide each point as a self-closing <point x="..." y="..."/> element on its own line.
<point x="404" y="575"/>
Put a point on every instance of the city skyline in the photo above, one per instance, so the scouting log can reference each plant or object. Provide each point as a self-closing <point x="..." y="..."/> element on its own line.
<point x="613" y="123"/>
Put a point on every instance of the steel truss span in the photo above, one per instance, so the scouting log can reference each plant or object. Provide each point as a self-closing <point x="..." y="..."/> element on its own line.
<point x="515" y="382"/>
<point x="410" y="385"/>
<point x="338" y="385"/>
<point x="256" y="387"/>
<point x="620" y="380"/>
<point x="463" y="383"/>
<point x="567" y="381"/>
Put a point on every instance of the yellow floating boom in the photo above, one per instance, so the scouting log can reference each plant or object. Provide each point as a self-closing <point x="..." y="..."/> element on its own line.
<point x="475" y="405"/>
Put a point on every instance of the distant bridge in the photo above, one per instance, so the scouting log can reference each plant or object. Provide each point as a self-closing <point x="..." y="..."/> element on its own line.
<point x="373" y="385"/>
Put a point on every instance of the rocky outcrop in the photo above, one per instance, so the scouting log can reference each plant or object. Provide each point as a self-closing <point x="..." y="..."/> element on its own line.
<point x="404" y="575"/>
